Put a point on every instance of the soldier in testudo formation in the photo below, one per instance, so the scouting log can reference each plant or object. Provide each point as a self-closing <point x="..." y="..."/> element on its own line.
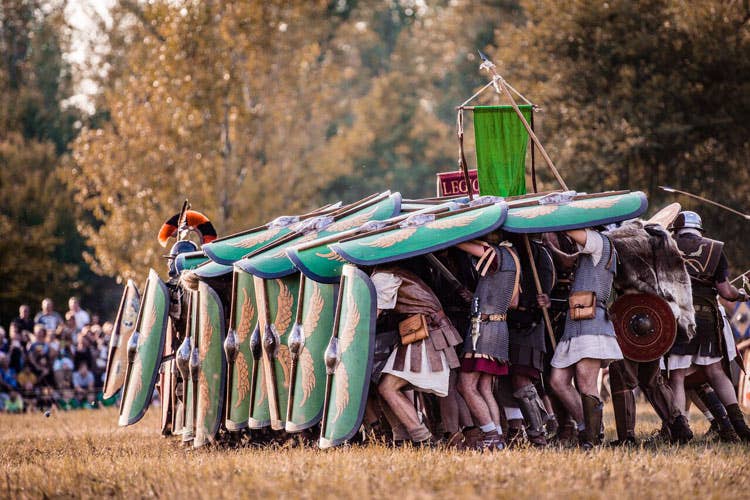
<point x="486" y="346"/>
<point x="423" y="358"/>
<point x="588" y="342"/>
<point x="706" y="352"/>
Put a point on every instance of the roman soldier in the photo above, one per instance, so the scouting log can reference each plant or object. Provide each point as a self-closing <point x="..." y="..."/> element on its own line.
<point x="486" y="347"/>
<point x="426" y="353"/>
<point x="527" y="341"/>
<point x="588" y="342"/>
<point x="708" y="269"/>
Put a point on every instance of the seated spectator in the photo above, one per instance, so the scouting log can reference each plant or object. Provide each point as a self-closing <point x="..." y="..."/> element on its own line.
<point x="4" y="342"/>
<point x="17" y="351"/>
<point x="37" y="349"/>
<point x="107" y="328"/>
<point x="14" y="404"/>
<point x="82" y="318"/>
<point x="83" y="385"/>
<point x="8" y="382"/>
<point x="48" y="316"/>
<point x="24" y="319"/>
<point x="83" y="353"/>
<point x="95" y="320"/>
<point x="27" y="384"/>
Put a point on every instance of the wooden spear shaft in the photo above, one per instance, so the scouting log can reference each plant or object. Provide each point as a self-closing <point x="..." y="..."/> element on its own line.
<point x="539" y="291"/>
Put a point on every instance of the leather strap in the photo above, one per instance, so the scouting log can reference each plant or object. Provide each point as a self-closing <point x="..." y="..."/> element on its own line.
<point x="494" y="317"/>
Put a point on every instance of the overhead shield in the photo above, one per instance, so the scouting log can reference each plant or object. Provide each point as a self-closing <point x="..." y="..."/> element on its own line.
<point x="189" y="260"/>
<point x="645" y="326"/>
<point x="348" y="358"/>
<point x="145" y="350"/>
<point x="232" y="248"/>
<point x="559" y="212"/>
<point x="318" y="262"/>
<point x="307" y="344"/>
<point x="117" y="359"/>
<point x="212" y="372"/>
<point x="243" y="320"/>
<point x="421" y="234"/>
<point x="276" y="300"/>
<point x="274" y="263"/>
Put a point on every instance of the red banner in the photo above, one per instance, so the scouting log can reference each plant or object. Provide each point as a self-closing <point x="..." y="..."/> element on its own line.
<point x="453" y="183"/>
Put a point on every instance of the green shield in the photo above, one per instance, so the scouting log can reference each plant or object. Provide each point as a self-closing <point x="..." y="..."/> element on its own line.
<point x="318" y="262"/>
<point x="348" y="358"/>
<point x="421" y="234"/>
<point x="211" y="269"/>
<point x="274" y="262"/>
<point x="146" y="347"/>
<point x="189" y="260"/>
<point x="307" y="344"/>
<point x="117" y="360"/>
<point x="243" y="321"/>
<point x="212" y="374"/>
<point x="189" y="402"/>
<point x="232" y="248"/>
<point x="581" y="211"/>
<point x="276" y="300"/>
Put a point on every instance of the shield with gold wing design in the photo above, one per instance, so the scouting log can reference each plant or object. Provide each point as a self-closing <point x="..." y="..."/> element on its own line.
<point x="276" y="300"/>
<point x="273" y="261"/>
<point x="559" y="212"/>
<point x="348" y="358"/>
<point x="212" y="372"/>
<point x="421" y="234"/>
<point x="117" y="359"/>
<point x="230" y="249"/>
<point x="145" y="351"/>
<point x="243" y="320"/>
<point x="307" y="344"/>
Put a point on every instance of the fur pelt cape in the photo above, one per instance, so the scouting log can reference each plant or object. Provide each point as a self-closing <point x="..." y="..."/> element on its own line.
<point x="650" y="262"/>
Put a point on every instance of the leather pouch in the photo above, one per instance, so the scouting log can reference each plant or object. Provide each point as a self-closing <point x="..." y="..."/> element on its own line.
<point x="413" y="329"/>
<point x="582" y="305"/>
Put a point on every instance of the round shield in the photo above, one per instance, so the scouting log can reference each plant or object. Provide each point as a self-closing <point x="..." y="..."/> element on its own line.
<point x="666" y="215"/>
<point x="645" y="326"/>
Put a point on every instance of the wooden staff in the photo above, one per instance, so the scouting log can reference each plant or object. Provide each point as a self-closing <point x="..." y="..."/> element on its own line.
<point x="539" y="291"/>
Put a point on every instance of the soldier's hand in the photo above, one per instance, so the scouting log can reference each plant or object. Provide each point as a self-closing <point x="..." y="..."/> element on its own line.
<point x="746" y="284"/>
<point x="543" y="300"/>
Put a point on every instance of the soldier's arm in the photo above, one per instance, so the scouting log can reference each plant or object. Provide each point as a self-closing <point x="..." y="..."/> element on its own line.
<point x="472" y="248"/>
<point x="578" y="235"/>
<point x="730" y="292"/>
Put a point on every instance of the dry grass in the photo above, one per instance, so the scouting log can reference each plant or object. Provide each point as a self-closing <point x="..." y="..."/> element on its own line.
<point x="85" y="454"/>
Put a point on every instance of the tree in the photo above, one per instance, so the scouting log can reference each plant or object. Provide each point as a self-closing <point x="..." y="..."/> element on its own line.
<point x="638" y="94"/>
<point x="40" y="250"/>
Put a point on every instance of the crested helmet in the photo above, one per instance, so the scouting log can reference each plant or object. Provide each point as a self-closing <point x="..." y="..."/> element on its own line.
<point x="183" y="246"/>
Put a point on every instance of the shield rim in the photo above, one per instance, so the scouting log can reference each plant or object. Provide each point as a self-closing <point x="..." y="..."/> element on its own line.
<point x="113" y="349"/>
<point x="323" y="442"/>
<point x="211" y="437"/>
<point x="160" y="353"/>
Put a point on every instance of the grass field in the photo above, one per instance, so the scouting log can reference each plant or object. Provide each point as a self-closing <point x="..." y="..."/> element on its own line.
<point x="84" y="454"/>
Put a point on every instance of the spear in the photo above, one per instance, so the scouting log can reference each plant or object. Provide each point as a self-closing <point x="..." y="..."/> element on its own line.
<point x="706" y="200"/>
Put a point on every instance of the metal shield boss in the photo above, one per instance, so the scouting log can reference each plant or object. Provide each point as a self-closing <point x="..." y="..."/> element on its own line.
<point x="348" y="358"/>
<point x="645" y="326"/>
<point x="145" y="349"/>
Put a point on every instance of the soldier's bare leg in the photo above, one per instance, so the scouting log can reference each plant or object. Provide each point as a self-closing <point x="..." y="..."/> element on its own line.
<point x="390" y="390"/>
<point x="468" y="388"/>
<point x="677" y="384"/>
<point x="561" y="381"/>
<point x="485" y="389"/>
<point x="720" y="383"/>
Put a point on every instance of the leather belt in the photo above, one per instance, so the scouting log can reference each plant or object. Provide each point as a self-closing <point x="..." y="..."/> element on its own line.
<point x="494" y="317"/>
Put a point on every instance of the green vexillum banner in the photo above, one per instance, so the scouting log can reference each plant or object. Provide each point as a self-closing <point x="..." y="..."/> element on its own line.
<point x="501" y="141"/>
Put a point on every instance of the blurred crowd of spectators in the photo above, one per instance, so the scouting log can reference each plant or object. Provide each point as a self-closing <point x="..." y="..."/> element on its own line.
<point x="49" y="361"/>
